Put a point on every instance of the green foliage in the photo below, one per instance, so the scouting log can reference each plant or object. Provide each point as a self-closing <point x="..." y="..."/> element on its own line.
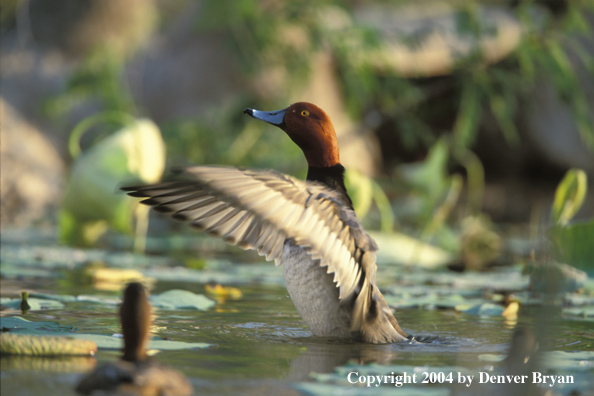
<point x="91" y="202"/>
<point x="569" y="196"/>
<point x="544" y="52"/>
<point x="574" y="245"/>
<point x="97" y="79"/>
<point x="573" y="242"/>
<point x="285" y="35"/>
<point x="363" y="191"/>
<point x="8" y="14"/>
<point x="429" y="182"/>
<point x="265" y="35"/>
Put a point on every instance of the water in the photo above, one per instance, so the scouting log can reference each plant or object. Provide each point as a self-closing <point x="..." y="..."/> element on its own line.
<point x="263" y="347"/>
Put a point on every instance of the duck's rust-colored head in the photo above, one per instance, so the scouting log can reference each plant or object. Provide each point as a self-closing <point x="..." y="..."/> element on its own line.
<point x="309" y="127"/>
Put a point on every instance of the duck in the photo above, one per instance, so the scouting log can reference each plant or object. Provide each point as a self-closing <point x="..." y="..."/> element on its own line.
<point x="135" y="373"/>
<point x="309" y="227"/>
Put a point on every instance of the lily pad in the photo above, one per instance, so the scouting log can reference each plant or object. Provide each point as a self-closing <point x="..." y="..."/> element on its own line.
<point x="431" y="301"/>
<point x="492" y="358"/>
<point x="36" y="304"/>
<point x="55" y="297"/>
<point x="337" y="383"/>
<point x="485" y="309"/>
<point x="99" y="299"/>
<point x="32" y="345"/>
<point x="223" y="272"/>
<point x="586" y="312"/>
<point x="578" y="360"/>
<point x="23" y="326"/>
<point x="323" y="389"/>
<point x="111" y="342"/>
<point x="181" y="299"/>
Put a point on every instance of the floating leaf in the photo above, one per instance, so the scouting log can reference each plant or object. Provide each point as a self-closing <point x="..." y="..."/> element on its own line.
<point x="586" y="312"/>
<point x="116" y="343"/>
<point x="35" y="304"/>
<point x="485" y="309"/>
<point x="22" y="326"/>
<point x="30" y="345"/>
<point x="181" y="299"/>
<point x="56" y="297"/>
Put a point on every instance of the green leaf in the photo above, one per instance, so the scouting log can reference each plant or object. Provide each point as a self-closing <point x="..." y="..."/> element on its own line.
<point x="36" y="304"/>
<point x="92" y="203"/>
<point x="403" y="249"/>
<point x="569" y="196"/>
<point x="180" y="299"/>
<point x="485" y="309"/>
<point x="22" y="326"/>
<point x="430" y="175"/>
<point x="30" y="345"/>
<point x="469" y="115"/>
<point x="575" y="245"/>
<point x="359" y="187"/>
<point x="111" y="342"/>
<point x="384" y="207"/>
<point x="505" y="118"/>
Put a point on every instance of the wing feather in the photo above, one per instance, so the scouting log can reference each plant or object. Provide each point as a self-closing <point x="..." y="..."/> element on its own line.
<point x="262" y="209"/>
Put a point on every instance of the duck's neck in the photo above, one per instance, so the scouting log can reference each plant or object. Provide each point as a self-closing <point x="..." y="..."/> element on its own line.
<point x="135" y="315"/>
<point x="332" y="176"/>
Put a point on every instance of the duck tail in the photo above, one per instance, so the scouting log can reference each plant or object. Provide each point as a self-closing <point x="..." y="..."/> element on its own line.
<point x="372" y="318"/>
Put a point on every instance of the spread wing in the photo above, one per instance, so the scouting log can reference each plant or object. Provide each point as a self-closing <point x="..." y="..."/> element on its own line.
<point x="261" y="209"/>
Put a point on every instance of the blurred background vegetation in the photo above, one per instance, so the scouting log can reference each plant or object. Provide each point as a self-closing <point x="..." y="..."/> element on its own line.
<point x="456" y="119"/>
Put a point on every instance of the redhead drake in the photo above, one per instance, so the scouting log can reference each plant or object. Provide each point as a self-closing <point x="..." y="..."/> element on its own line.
<point x="135" y="373"/>
<point x="309" y="227"/>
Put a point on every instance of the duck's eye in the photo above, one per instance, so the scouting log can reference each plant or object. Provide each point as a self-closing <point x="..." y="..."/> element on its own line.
<point x="304" y="113"/>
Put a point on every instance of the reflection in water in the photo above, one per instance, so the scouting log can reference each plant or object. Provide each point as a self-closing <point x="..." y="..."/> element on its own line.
<point x="327" y="354"/>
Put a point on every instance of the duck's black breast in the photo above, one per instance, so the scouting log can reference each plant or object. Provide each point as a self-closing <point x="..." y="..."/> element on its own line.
<point x="333" y="177"/>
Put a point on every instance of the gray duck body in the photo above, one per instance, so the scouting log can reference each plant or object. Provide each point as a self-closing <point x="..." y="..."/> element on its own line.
<point x="314" y="293"/>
